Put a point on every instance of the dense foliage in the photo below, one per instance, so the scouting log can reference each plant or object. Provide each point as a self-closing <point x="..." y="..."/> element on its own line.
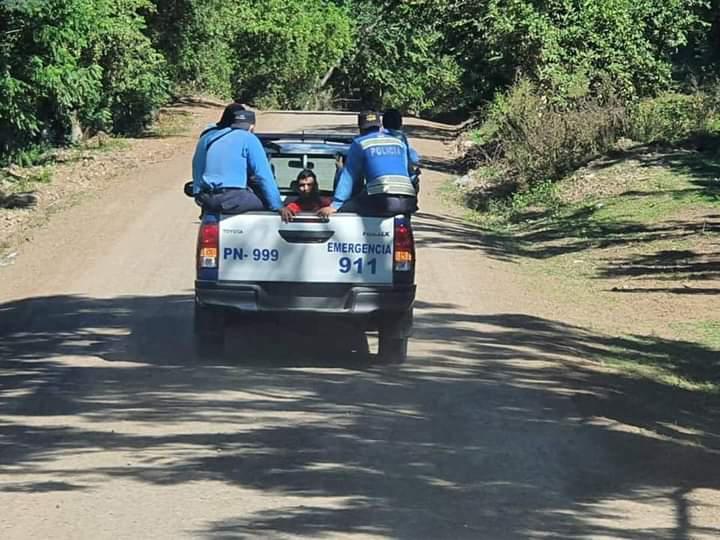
<point x="286" y="47"/>
<point x="74" y="61"/>
<point x="399" y="59"/>
<point x="108" y="64"/>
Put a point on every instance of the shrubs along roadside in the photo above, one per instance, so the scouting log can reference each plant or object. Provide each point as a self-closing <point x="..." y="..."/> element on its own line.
<point x="674" y="117"/>
<point x="538" y="138"/>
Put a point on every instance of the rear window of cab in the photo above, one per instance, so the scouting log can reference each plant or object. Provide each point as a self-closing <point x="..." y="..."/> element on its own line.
<point x="287" y="166"/>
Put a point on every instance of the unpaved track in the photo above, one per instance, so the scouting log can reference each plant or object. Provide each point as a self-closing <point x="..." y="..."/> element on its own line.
<point x="494" y="428"/>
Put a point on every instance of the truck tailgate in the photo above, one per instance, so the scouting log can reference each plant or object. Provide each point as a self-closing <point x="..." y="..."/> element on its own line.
<point x="350" y="249"/>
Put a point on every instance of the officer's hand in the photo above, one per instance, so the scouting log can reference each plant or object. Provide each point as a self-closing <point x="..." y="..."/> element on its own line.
<point x="286" y="214"/>
<point x="326" y="212"/>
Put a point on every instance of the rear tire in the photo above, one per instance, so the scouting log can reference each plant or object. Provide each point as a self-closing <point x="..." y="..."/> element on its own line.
<point x="209" y="331"/>
<point x="392" y="350"/>
<point x="393" y="332"/>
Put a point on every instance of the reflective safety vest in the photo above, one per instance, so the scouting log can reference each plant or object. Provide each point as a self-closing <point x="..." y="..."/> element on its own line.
<point x="385" y="164"/>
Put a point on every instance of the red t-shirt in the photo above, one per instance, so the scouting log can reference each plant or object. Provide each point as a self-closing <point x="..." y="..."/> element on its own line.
<point x="309" y="205"/>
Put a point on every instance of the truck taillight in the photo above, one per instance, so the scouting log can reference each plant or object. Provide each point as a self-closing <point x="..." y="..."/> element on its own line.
<point x="207" y="255"/>
<point x="404" y="246"/>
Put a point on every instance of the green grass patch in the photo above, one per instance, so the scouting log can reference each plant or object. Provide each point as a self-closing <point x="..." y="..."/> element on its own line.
<point x="598" y="206"/>
<point x="450" y="194"/>
<point x="511" y="214"/>
<point x="27" y="179"/>
<point x="661" y="374"/>
<point x="112" y="144"/>
<point x="41" y="176"/>
<point x="692" y="365"/>
<point x="706" y="332"/>
<point x="660" y="197"/>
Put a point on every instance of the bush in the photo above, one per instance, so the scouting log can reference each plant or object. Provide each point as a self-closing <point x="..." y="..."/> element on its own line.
<point x="671" y="117"/>
<point x="544" y="139"/>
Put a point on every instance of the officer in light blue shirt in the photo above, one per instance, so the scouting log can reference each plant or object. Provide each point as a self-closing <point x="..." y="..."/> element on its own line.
<point x="225" y="154"/>
<point x="381" y="159"/>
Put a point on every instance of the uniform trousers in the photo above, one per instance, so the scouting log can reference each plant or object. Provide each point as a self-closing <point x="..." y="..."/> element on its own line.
<point x="229" y="201"/>
<point x="380" y="205"/>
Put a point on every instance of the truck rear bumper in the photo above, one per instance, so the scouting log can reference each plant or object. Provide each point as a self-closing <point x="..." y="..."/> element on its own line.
<point x="327" y="298"/>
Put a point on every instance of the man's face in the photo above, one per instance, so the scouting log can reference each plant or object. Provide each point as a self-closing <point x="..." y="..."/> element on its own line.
<point x="306" y="186"/>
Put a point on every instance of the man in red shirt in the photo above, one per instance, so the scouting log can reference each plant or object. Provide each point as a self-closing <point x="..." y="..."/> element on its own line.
<point x="308" y="199"/>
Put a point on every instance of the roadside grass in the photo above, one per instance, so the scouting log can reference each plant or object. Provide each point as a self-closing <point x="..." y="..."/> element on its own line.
<point x="642" y="206"/>
<point x="703" y="331"/>
<point x="170" y="123"/>
<point x="17" y="190"/>
<point x="674" y="363"/>
<point x="635" y="234"/>
<point x="105" y="144"/>
<point x="661" y="374"/>
<point x="30" y="178"/>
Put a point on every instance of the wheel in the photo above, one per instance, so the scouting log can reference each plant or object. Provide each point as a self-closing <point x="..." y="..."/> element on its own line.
<point x="209" y="331"/>
<point x="393" y="330"/>
<point x="392" y="350"/>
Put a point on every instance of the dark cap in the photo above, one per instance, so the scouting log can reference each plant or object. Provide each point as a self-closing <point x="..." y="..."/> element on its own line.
<point x="243" y="119"/>
<point x="235" y="115"/>
<point x="368" y="119"/>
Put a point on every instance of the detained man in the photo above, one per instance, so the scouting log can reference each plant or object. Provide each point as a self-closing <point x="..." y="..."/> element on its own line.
<point x="308" y="198"/>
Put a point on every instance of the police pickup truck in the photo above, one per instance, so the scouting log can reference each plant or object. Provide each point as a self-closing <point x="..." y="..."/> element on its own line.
<point x="348" y="266"/>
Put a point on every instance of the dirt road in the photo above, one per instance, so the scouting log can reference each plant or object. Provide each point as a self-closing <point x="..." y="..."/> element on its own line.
<point x="495" y="428"/>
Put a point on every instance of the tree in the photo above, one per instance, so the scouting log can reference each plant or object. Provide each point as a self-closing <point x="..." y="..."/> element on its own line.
<point x="286" y="47"/>
<point x="398" y="58"/>
<point x="67" y="59"/>
<point x="268" y="50"/>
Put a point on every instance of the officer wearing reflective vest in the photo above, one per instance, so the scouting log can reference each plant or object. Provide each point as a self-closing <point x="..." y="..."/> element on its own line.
<point x="225" y="154"/>
<point x="382" y="160"/>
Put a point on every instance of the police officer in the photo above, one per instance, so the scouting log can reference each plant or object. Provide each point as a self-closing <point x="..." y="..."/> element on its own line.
<point x="224" y="156"/>
<point x="382" y="160"/>
<point x="392" y="124"/>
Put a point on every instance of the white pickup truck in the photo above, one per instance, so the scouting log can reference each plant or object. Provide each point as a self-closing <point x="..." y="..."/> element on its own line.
<point x="347" y="266"/>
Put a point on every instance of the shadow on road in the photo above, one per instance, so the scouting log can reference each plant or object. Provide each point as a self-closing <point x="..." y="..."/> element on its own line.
<point x="495" y="430"/>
